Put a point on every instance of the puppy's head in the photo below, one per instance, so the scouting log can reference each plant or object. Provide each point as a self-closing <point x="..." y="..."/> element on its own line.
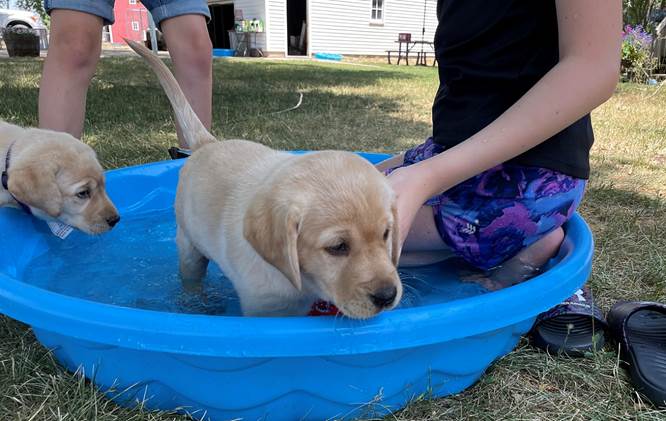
<point x="59" y="178"/>
<point x="329" y="224"/>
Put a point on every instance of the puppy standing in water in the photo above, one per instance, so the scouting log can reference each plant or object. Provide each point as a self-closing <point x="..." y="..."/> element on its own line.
<point x="55" y="177"/>
<point x="286" y="229"/>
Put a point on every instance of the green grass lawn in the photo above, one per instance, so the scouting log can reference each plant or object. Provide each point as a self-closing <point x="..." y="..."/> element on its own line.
<point x="373" y="108"/>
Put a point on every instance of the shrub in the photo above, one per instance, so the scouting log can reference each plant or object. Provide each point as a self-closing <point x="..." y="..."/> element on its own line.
<point x="637" y="60"/>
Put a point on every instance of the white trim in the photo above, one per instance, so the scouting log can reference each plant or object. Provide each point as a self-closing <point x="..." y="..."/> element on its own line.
<point x="136" y="26"/>
<point x="308" y="4"/>
<point x="267" y="25"/>
<point x="285" y="39"/>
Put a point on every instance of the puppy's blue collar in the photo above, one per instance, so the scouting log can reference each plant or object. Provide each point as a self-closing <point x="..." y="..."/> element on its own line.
<point x="5" y="180"/>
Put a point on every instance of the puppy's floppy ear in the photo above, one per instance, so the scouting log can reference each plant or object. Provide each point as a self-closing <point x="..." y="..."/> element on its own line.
<point x="35" y="185"/>
<point x="395" y="236"/>
<point x="272" y="230"/>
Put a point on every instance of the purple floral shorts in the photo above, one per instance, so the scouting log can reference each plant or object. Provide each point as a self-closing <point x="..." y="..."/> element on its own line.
<point x="489" y="218"/>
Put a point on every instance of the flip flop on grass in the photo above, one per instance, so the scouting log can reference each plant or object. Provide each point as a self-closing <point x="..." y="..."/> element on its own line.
<point x="640" y="329"/>
<point x="574" y="327"/>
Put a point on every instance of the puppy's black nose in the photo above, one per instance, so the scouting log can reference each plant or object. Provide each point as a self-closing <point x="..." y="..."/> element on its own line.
<point x="384" y="296"/>
<point x="113" y="220"/>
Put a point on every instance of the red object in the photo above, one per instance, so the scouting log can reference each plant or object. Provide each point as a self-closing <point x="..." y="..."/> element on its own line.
<point x="323" y="308"/>
<point x="131" y="21"/>
<point x="404" y="37"/>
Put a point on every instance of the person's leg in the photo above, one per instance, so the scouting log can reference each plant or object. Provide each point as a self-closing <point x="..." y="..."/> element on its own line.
<point x="424" y="244"/>
<point x="524" y="265"/>
<point x="474" y="218"/>
<point x="534" y="257"/>
<point x="392" y="162"/>
<point x="74" y="50"/>
<point x="190" y="48"/>
<point x="507" y="221"/>
<point x="488" y="219"/>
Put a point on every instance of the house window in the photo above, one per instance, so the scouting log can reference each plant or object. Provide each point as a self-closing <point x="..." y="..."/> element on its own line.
<point x="377" y="11"/>
<point x="132" y="1"/>
<point x="135" y="25"/>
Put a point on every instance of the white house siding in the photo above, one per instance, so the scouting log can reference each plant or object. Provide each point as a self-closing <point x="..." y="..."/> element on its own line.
<point x="343" y="26"/>
<point x="276" y="25"/>
<point x="254" y="9"/>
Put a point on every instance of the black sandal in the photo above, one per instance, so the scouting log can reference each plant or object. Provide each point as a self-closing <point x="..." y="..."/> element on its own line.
<point x="178" y="153"/>
<point x="574" y="328"/>
<point x="640" y="329"/>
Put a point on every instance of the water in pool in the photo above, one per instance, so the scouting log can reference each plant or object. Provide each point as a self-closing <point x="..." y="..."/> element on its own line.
<point x="136" y="265"/>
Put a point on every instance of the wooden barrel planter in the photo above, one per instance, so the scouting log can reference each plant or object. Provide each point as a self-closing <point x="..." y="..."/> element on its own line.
<point x="21" y="42"/>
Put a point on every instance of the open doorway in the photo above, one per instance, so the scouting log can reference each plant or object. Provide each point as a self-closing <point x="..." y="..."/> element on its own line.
<point x="221" y="22"/>
<point x="297" y="28"/>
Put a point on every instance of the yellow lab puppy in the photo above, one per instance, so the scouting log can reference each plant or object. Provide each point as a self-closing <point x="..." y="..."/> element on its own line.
<point x="286" y="229"/>
<point x="55" y="177"/>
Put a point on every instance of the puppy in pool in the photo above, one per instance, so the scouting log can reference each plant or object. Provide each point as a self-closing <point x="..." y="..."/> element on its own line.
<point x="54" y="177"/>
<point x="288" y="230"/>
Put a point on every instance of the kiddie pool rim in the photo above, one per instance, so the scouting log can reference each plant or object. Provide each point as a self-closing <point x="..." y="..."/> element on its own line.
<point x="297" y="336"/>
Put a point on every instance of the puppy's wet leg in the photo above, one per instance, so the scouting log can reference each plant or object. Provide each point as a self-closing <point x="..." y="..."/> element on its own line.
<point x="193" y="264"/>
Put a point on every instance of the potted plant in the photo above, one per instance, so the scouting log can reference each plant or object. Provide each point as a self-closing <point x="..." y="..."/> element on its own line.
<point x="21" y="42"/>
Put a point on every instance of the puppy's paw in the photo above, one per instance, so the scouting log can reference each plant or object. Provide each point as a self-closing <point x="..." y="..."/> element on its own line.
<point x="192" y="285"/>
<point x="193" y="270"/>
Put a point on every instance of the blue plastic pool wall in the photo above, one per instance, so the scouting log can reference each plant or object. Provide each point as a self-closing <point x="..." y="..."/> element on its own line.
<point x="219" y="384"/>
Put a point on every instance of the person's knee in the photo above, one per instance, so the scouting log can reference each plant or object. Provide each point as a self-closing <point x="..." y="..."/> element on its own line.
<point x="554" y="239"/>
<point x="200" y="41"/>
<point x="201" y="54"/>
<point x="199" y="57"/>
<point x="193" y="48"/>
<point x="547" y="247"/>
<point x="80" y="51"/>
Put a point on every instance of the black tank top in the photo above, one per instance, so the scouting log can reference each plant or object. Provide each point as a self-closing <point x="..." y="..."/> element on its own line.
<point x="490" y="53"/>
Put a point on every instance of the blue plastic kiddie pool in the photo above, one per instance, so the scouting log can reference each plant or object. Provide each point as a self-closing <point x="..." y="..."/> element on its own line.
<point x="328" y="56"/>
<point x="112" y="307"/>
<point x="223" y="52"/>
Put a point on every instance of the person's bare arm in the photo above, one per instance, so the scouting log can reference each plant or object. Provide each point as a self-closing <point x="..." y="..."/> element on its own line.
<point x="585" y="77"/>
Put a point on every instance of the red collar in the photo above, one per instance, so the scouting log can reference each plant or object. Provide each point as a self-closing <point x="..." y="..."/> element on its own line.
<point x="323" y="308"/>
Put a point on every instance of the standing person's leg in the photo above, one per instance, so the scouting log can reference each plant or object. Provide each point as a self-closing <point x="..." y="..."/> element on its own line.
<point x="191" y="50"/>
<point x="183" y="24"/>
<point x="75" y="43"/>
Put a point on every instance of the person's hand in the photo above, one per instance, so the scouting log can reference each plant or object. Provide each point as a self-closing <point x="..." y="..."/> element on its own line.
<point x="409" y="197"/>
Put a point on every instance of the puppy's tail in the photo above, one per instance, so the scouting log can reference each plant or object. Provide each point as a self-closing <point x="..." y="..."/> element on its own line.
<point x="193" y="130"/>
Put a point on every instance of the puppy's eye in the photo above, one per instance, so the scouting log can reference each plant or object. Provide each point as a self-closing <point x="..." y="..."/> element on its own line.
<point x="340" y="249"/>
<point x="386" y="234"/>
<point x="83" y="194"/>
